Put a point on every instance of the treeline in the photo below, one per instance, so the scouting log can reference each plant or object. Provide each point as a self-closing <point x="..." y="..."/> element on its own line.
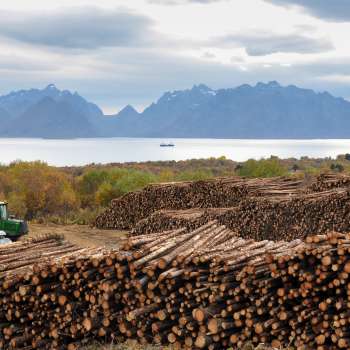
<point x="37" y="191"/>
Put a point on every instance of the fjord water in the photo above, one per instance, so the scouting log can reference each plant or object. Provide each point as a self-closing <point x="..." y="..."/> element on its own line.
<point x="108" y="150"/>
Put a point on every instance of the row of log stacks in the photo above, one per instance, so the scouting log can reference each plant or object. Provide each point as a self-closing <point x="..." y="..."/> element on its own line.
<point x="164" y="220"/>
<point x="218" y="290"/>
<point x="329" y="181"/>
<point x="19" y="257"/>
<point x="126" y="211"/>
<point x="274" y="218"/>
<point x="307" y="292"/>
<point x="60" y="304"/>
<point x="33" y="290"/>
<point x="204" y="289"/>
<point x="278" y="218"/>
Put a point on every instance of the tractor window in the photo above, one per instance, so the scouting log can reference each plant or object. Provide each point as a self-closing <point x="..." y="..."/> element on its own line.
<point x="3" y="212"/>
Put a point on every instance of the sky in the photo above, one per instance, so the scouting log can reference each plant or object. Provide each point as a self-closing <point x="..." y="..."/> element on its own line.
<point x="119" y="52"/>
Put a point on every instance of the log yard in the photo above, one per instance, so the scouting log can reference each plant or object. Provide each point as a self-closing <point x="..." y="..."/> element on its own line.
<point x="192" y="265"/>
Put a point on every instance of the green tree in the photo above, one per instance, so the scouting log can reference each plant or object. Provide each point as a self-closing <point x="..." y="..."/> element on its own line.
<point x="194" y="175"/>
<point x="106" y="193"/>
<point x="88" y="184"/>
<point x="134" y="180"/>
<point x="262" y="168"/>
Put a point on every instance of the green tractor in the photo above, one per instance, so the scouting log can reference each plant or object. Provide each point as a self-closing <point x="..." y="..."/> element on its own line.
<point x="13" y="228"/>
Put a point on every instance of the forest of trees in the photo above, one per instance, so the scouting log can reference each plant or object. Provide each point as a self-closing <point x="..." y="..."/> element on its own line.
<point x="37" y="191"/>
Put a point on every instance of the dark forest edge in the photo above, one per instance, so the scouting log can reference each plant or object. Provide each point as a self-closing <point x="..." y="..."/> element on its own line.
<point x="75" y="195"/>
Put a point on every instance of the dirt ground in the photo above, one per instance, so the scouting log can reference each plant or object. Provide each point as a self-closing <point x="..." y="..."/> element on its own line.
<point x="81" y="235"/>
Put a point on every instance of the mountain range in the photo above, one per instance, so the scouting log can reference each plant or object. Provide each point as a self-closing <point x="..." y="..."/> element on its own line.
<point x="266" y="110"/>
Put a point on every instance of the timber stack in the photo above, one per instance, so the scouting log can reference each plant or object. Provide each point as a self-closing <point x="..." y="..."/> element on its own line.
<point x="326" y="182"/>
<point x="126" y="211"/>
<point x="275" y="218"/>
<point x="164" y="220"/>
<point x="203" y="289"/>
<point x="258" y="208"/>
<point x="298" y="217"/>
<point x="34" y="288"/>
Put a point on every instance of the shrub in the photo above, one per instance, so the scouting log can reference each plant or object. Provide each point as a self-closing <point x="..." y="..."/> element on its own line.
<point x="262" y="168"/>
<point x="194" y="175"/>
<point x="337" y="167"/>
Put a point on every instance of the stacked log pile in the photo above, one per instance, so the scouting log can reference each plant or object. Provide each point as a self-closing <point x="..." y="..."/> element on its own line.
<point x="326" y="182"/>
<point x="203" y="289"/>
<point x="194" y="286"/>
<point x="126" y="211"/>
<point x="270" y="218"/>
<point x="218" y="290"/>
<point x="190" y="219"/>
<point x="278" y="218"/>
<point x="19" y="258"/>
<point x="259" y="208"/>
<point x="34" y="289"/>
<point x="306" y="293"/>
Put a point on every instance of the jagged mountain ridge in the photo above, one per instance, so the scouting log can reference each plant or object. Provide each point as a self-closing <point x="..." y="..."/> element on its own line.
<point x="17" y="102"/>
<point x="261" y="111"/>
<point x="50" y="119"/>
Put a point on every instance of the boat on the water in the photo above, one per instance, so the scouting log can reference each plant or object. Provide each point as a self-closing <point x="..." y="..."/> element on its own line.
<point x="167" y="145"/>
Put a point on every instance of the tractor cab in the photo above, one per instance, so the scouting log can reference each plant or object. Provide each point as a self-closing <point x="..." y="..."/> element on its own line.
<point x="14" y="228"/>
<point x="3" y="211"/>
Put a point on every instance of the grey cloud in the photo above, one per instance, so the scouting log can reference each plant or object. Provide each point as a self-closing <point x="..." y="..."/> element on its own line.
<point x="208" y="55"/>
<point x="142" y="84"/>
<point x="237" y="59"/>
<point x="325" y="67"/>
<point x="141" y="78"/>
<point x="16" y="63"/>
<point x="333" y="10"/>
<point x="173" y="74"/>
<point x="265" y="43"/>
<point x="79" y="28"/>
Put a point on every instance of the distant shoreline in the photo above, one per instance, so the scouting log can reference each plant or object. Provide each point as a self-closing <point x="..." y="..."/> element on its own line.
<point x="79" y="152"/>
<point x="175" y="138"/>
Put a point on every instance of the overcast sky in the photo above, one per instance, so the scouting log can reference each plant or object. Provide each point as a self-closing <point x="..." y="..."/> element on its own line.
<point x="118" y="52"/>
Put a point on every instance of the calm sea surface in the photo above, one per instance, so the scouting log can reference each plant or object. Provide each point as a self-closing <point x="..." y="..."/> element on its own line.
<point x="85" y="151"/>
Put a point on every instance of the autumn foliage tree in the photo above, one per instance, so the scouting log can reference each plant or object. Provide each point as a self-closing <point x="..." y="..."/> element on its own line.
<point x="36" y="189"/>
